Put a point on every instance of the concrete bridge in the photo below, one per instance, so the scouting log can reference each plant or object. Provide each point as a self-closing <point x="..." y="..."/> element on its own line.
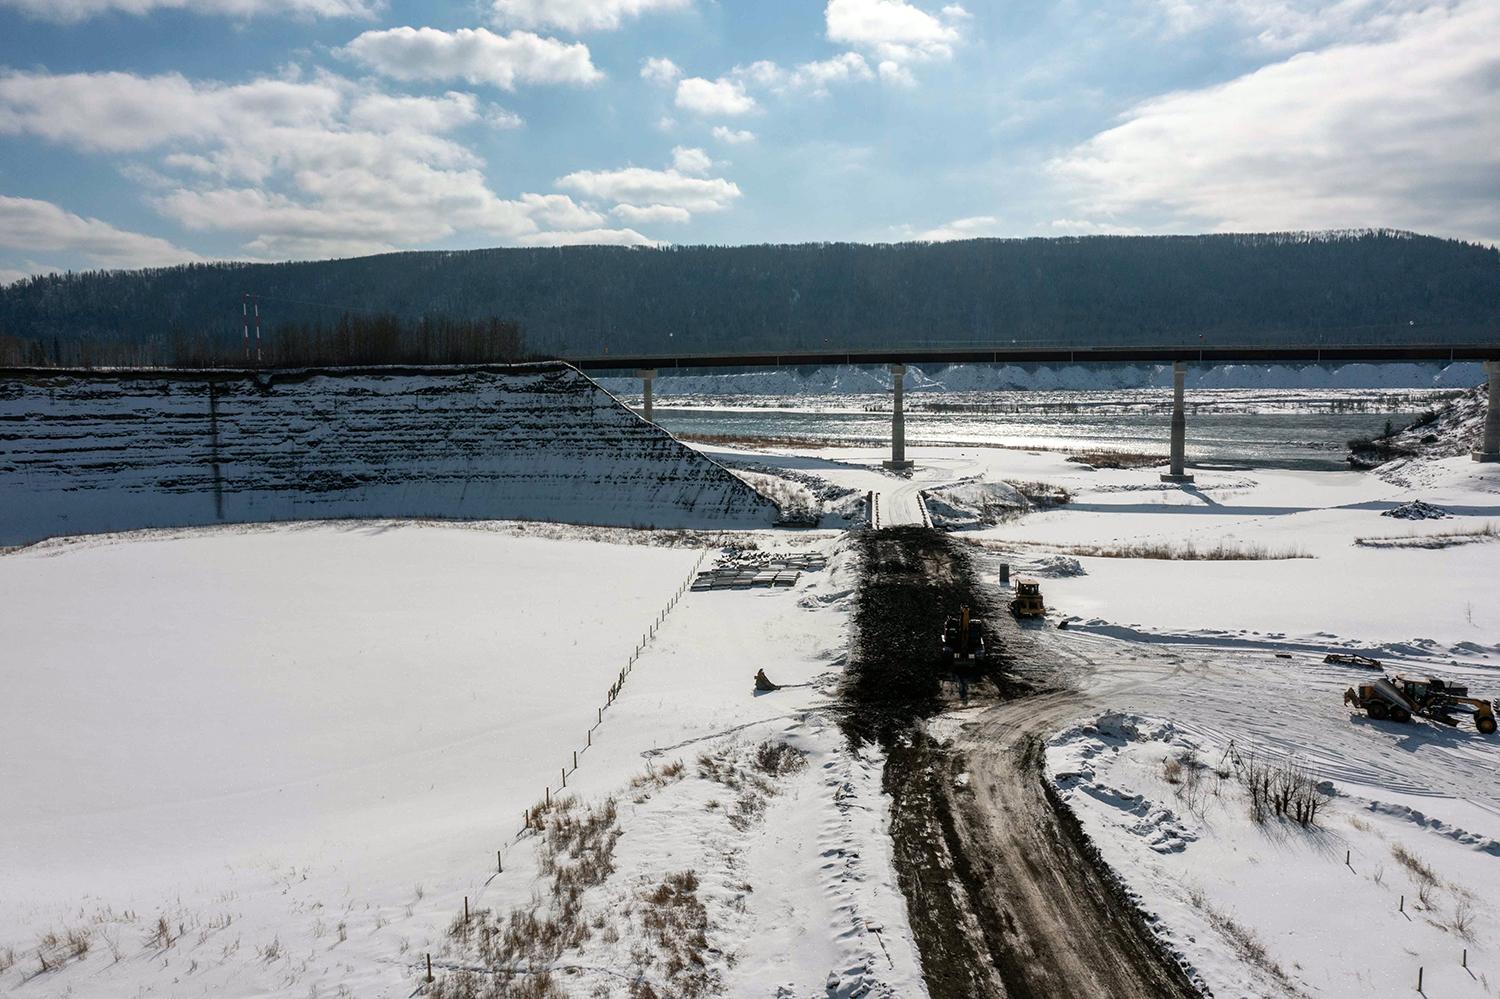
<point x="647" y="366"/>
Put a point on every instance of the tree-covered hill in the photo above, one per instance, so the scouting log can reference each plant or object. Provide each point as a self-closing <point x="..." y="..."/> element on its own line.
<point x="1350" y="287"/>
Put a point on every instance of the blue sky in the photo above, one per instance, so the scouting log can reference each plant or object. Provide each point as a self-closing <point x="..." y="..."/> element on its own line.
<point x="145" y="132"/>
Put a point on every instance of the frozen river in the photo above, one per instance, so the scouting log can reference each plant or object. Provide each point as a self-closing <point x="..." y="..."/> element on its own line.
<point x="1269" y="428"/>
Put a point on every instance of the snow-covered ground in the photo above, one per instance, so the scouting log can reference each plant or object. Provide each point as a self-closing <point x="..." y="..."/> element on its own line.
<point x="275" y="760"/>
<point x="1387" y="881"/>
<point x="1201" y="655"/>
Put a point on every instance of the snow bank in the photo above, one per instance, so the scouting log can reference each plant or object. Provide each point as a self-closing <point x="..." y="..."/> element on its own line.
<point x="974" y="503"/>
<point x="119" y="452"/>
<point x="1272" y="908"/>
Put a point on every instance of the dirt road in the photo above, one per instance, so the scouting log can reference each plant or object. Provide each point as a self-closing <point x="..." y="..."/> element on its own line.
<point x="1003" y="896"/>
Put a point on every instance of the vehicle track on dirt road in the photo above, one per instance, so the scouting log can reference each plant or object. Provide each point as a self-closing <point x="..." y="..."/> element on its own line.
<point x="1004" y="896"/>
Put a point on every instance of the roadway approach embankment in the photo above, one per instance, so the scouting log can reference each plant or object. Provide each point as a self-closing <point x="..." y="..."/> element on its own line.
<point x="1004" y="896"/>
<point x="117" y="450"/>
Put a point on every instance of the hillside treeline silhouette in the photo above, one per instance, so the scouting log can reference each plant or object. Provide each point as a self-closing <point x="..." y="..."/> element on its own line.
<point x="1359" y="287"/>
<point x="350" y="340"/>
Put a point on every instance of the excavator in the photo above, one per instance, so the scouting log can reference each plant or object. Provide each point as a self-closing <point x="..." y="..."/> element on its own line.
<point x="963" y="639"/>
<point x="1398" y="698"/>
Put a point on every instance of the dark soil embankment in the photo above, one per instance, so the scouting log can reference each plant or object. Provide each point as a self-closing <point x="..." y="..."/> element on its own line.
<point x="1003" y="896"/>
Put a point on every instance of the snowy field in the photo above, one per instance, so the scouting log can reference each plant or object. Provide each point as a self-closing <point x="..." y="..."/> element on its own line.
<point x="278" y="760"/>
<point x="274" y="761"/>
<point x="1211" y="658"/>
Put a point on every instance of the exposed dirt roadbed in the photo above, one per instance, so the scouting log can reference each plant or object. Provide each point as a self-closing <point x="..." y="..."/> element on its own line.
<point x="1004" y="896"/>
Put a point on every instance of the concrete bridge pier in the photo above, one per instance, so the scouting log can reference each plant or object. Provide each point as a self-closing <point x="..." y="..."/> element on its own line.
<point x="1178" y="472"/>
<point x="647" y="376"/>
<point x="1489" y="443"/>
<point x="898" y="459"/>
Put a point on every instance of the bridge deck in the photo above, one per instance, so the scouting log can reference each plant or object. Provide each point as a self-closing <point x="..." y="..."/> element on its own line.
<point x="1011" y="354"/>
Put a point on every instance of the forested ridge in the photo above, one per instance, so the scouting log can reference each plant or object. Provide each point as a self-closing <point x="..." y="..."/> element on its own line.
<point x="1354" y="287"/>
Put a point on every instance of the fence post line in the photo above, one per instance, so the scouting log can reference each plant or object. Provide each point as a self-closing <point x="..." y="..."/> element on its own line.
<point x="565" y="776"/>
<point x="429" y="967"/>
<point x="499" y="862"/>
<point x="1419" y="979"/>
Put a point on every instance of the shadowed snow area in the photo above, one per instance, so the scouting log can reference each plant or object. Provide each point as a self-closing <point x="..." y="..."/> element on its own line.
<point x="133" y="450"/>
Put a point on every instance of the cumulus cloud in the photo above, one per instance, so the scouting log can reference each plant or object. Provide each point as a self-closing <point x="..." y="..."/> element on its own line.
<point x="558" y="211"/>
<point x="475" y="55"/>
<point x="651" y="214"/>
<point x="1403" y="133"/>
<point x="32" y="225"/>
<point x="642" y="190"/>
<point x="302" y="167"/>
<point x="733" y="136"/>
<point x="714" y="97"/>
<point x="811" y="77"/>
<point x="587" y="237"/>
<point x="687" y="160"/>
<point x="578" y="15"/>
<point x="894" y="30"/>
<point x="972" y="227"/>
<point x="659" y="69"/>
<point x="73" y="11"/>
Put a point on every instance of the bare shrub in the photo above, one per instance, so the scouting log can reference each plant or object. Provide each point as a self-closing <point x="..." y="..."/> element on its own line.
<point x="677" y="918"/>
<point x="777" y="759"/>
<point x="1244" y="941"/>
<point x="1285" y="790"/>
<point x="161" y="936"/>
<point x="1188" y="551"/>
<point x="1171" y="770"/>
<point x="7" y="959"/>
<point x="1415" y="866"/>
<point x="271" y="951"/>
<point x="1462" y="923"/>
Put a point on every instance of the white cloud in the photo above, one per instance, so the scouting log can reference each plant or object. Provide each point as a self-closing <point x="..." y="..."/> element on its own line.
<point x="644" y="188"/>
<point x="893" y="72"/>
<point x="714" y="97"/>
<point x="578" y="15"/>
<point x="811" y="77"/>
<point x="384" y="112"/>
<point x="894" y="30"/>
<point x="1088" y="227"/>
<point x="558" y="211"/>
<point x="605" y="237"/>
<point x="315" y="167"/>
<point x="658" y="69"/>
<point x="1402" y="133"/>
<point x="687" y="160"/>
<point x="1289" y="25"/>
<point x="31" y="225"/>
<point x="476" y="55"/>
<point x="733" y="136"/>
<point x="10" y="275"/>
<point x="73" y="11"/>
<point x="973" y="227"/>
<point x="652" y="214"/>
<point x="120" y="112"/>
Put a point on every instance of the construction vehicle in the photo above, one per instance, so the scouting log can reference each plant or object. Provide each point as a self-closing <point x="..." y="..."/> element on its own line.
<point x="1028" y="599"/>
<point x="1398" y="698"/>
<point x="963" y="639"/>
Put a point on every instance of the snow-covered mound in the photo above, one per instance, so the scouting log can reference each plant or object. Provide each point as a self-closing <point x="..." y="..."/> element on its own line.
<point x="111" y="452"/>
<point x="1415" y="510"/>
<point x="974" y="503"/>
<point x="1452" y="430"/>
